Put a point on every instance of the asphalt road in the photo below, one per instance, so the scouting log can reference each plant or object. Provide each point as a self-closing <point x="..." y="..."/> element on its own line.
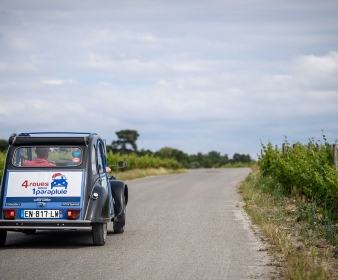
<point x="186" y="226"/>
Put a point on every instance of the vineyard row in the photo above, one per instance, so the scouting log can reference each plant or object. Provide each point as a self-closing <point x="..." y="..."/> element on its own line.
<point x="305" y="170"/>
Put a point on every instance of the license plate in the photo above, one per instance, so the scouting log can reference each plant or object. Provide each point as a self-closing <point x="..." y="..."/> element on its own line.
<point x="41" y="214"/>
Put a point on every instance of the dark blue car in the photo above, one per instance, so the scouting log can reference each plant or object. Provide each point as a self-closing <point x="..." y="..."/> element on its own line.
<point x="65" y="186"/>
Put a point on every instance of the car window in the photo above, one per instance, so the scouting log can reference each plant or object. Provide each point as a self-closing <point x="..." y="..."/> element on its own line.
<point x="47" y="156"/>
<point x="93" y="159"/>
<point x="99" y="158"/>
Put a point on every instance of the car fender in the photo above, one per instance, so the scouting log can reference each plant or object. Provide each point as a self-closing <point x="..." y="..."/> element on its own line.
<point x="119" y="191"/>
<point x="98" y="206"/>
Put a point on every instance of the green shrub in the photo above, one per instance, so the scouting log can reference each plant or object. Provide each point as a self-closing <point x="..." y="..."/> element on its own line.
<point x="142" y="162"/>
<point x="305" y="170"/>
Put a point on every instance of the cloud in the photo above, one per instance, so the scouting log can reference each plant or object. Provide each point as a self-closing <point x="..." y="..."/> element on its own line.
<point x="200" y="76"/>
<point x="327" y="64"/>
<point x="318" y="72"/>
<point x="22" y="44"/>
<point x="57" y="82"/>
<point x="18" y="68"/>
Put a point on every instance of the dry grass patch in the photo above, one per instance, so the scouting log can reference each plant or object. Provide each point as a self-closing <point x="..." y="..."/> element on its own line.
<point x="141" y="173"/>
<point x="301" y="242"/>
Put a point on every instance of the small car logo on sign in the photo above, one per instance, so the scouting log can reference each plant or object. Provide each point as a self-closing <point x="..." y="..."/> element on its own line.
<point x="59" y="180"/>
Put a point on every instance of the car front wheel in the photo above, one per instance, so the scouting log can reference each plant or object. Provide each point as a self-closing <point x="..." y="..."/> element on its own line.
<point x="120" y="221"/>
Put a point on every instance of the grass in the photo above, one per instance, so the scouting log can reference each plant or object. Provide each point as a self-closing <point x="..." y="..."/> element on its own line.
<point x="300" y="236"/>
<point x="238" y="164"/>
<point x="141" y="173"/>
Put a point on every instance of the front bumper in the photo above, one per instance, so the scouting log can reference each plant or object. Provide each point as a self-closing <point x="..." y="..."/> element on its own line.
<point x="45" y="224"/>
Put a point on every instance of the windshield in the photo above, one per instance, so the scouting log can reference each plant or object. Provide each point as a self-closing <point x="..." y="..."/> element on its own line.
<point x="47" y="156"/>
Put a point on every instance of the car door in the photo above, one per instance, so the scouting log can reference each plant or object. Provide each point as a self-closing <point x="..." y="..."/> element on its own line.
<point x="101" y="167"/>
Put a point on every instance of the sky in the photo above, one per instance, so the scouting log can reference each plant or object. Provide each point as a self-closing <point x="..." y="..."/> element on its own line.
<point x="198" y="76"/>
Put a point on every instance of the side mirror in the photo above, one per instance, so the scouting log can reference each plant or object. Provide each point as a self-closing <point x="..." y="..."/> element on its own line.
<point x="122" y="164"/>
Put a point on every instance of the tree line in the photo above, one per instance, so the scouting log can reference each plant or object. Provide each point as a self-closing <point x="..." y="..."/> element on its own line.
<point x="126" y="144"/>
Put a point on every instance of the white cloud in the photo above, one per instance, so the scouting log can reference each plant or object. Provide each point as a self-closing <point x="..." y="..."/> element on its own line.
<point x="147" y="37"/>
<point x="22" y="44"/>
<point x="317" y="72"/>
<point x="326" y="64"/>
<point x="163" y="83"/>
<point x="186" y="67"/>
<point x="57" y="82"/>
<point x="18" y="68"/>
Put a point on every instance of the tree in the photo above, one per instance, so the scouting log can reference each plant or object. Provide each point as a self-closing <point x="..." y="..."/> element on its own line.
<point x="125" y="138"/>
<point x="3" y="145"/>
<point x="144" y="152"/>
<point x="180" y="156"/>
<point x="216" y="159"/>
<point x="241" y="158"/>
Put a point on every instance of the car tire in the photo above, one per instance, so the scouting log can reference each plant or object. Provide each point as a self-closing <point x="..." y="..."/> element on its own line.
<point x="119" y="230"/>
<point x="3" y="236"/>
<point x="120" y="220"/>
<point x="99" y="232"/>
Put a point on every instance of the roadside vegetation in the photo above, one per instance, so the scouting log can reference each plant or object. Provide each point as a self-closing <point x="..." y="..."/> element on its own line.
<point x="141" y="173"/>
<point x="138" y="166"/>
<point x="213" y="159"/>
<point x="2" y="163"/>
<point x="142" y="162"/>
<point x="292" y="196"/>
<point x="164" y="161"/>
<point x="141" y="166"/>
